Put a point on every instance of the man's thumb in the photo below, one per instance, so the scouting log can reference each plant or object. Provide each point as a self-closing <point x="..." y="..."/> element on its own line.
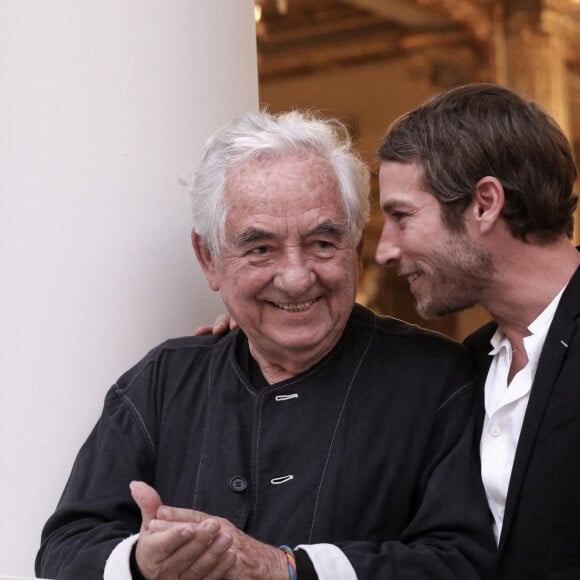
<point x="147" y="499"/>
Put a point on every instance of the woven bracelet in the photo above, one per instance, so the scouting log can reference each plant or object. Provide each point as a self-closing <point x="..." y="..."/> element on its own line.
<point x="291" y="559"/>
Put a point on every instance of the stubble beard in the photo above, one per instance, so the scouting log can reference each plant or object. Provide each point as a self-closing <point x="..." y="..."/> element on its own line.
<point x="461" y="273"/>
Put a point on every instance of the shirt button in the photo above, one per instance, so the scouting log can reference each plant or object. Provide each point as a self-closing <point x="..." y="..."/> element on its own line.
<point x="495" y="431"/>
<point x="238" y="484"/>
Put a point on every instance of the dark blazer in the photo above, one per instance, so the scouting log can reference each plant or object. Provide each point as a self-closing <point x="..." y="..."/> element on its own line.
<point x="541" y="531"/>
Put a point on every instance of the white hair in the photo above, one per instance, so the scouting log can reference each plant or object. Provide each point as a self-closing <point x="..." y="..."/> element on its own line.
<point x="257" y="135"/>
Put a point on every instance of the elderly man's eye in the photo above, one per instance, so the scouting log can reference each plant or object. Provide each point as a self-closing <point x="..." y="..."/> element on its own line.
<point x="324" y="244"/>
<point x="260" y="250"/>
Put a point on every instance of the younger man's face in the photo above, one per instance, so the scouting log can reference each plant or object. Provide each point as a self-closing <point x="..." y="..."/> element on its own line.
<point x="447" y="270"/>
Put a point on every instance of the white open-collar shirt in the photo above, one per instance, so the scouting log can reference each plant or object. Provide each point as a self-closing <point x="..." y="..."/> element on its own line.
<point x="505" y="407"/>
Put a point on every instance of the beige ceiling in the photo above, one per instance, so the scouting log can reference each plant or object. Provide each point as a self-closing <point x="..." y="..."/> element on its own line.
<point x="314" y="35"/>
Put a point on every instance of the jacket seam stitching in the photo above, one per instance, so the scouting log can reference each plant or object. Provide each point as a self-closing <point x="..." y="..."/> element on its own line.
<point x="336" y="427"/>
<point x="454" y="395"/>
<point x="123" y="395"/>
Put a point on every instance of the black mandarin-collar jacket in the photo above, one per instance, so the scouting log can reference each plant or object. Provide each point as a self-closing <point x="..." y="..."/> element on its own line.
<point x="378" y="439"/>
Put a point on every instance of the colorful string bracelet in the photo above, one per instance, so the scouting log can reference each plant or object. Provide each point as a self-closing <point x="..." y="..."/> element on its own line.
<point x="291" y="558"/>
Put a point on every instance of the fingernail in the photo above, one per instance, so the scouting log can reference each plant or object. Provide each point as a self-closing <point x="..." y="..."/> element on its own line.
<point x="187" y="533"/>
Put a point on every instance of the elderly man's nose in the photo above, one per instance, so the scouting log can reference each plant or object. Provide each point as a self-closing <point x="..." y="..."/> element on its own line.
<point x="388" y="249"/>
<point x="295" y="276"/>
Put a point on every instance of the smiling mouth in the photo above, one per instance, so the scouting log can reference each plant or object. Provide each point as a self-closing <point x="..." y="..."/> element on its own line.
<point x="294" y="307"/>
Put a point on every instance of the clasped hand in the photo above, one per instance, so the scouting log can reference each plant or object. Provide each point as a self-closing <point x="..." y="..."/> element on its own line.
<point x="179" y="543"/>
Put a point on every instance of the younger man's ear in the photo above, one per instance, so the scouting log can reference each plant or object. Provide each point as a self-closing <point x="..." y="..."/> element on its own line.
<point x="206" y="260"/>
<point x="488" y="202"/>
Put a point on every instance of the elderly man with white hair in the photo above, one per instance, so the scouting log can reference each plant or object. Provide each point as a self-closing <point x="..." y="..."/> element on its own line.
<point x="317" y="440"/>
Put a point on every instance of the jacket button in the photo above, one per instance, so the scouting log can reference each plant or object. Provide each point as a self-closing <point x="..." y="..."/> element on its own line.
<point x="238" y="484"/>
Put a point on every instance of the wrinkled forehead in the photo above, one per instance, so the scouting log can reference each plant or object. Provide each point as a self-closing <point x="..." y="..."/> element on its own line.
<point x="290" y="193"/>
<point x="307" y="163"/>
<point x="279" y="175"/>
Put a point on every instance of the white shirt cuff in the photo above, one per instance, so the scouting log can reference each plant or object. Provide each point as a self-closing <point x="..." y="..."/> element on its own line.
<point x="118" y="566"/>
<point x="329" y="562"/>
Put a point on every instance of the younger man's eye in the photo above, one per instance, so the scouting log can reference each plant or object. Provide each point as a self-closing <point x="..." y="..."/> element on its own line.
<point x="398" y="215"/>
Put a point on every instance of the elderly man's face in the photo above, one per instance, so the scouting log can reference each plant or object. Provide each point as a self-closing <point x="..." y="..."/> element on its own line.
<point x="447" y="271"/>
<point x="289" y="269"/>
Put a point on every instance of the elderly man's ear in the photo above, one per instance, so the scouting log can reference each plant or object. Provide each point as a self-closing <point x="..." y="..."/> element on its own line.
<point x="206" y="261"/>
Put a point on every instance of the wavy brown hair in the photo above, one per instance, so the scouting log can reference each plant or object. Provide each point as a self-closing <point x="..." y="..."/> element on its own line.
<point x="481" y="130"/>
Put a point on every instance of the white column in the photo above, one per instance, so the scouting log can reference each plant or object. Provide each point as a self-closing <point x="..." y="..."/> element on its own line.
<point x="104" y="106"/>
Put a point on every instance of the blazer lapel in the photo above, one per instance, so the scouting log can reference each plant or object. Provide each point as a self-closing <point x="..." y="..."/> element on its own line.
<point x="551" y="360"/>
